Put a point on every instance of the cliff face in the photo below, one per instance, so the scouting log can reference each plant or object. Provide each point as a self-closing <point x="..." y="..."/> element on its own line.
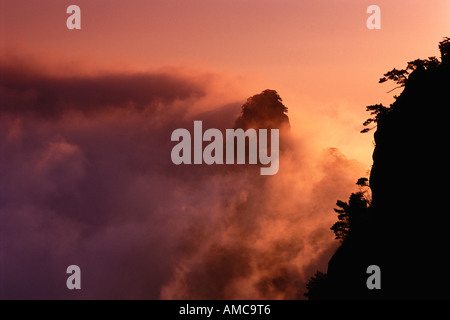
<point x="407" y="230"/>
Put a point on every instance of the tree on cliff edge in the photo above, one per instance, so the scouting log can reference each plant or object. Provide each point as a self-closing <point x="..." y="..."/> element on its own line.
<point x="264" y="110"/>
<point x="406" y="230"/>
<point x="401" y="76"/>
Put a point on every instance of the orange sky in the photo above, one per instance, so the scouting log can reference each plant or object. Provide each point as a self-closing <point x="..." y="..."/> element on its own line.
<point x="319" y="55"/>
<point x="85" y="161"/>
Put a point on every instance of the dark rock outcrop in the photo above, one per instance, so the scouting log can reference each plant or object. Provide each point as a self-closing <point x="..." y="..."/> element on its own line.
<point x="407" y="230"/>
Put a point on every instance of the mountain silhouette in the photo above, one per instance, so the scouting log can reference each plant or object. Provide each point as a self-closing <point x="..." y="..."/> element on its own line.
<point x="264" y="110"/>
<point x="405" y="229"/>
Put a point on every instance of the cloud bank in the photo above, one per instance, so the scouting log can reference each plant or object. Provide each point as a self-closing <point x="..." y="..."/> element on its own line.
<point x="87" y="179"/>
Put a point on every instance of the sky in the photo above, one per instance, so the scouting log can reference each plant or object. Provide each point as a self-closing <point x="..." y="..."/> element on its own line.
<point x="86" y="117"/>
<point x="299" y="48"/>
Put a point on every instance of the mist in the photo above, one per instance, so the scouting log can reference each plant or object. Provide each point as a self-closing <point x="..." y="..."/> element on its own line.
<point x="87" y="179"/>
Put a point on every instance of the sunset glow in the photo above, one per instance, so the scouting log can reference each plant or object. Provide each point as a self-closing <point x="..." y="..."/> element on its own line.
<point x="85" y="127"/>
